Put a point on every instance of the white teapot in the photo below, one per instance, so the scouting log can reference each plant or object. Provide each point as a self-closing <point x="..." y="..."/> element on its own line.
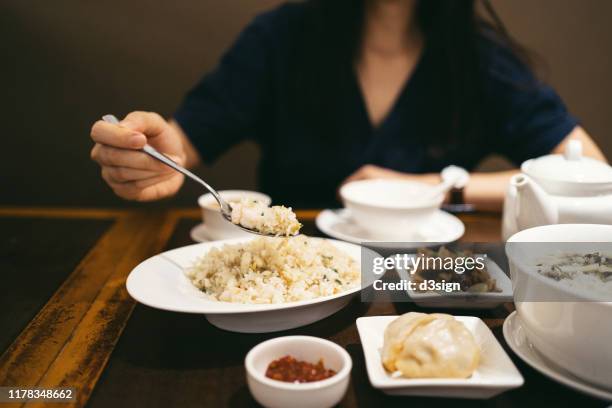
<point x="559" y="189"/>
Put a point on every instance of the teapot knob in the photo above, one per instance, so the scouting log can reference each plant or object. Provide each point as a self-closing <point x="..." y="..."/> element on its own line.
<point x="573" y="150"/>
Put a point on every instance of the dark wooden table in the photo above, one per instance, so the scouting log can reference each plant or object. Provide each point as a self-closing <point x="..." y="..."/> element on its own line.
<point x="66" y="319"/>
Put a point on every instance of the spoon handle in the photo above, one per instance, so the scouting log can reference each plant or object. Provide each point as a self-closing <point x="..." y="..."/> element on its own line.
<point x="151" y="151"/>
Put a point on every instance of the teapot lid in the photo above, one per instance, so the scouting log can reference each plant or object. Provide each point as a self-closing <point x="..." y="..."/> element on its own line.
<point x="571" y="166"/>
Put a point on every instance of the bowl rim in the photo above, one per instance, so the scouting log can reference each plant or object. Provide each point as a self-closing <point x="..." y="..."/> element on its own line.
<point x="434" y="203"/>
<point x="208" y="196"/>
<point x="523" y="268"/>
<point x="342" y="374"/>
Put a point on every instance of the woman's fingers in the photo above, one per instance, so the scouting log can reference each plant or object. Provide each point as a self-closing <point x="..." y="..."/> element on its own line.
<point x="147" y="189"/>
<point x="364" y="172"/>
<point x="115" y="157"/>
<point x="110" y="174"/>
<point x="130" y="172"/>
<point x="127" y="174"/>
<point x="149" y="123"/>
<point x="370" y="171"/>
<point x="118" y="136"/>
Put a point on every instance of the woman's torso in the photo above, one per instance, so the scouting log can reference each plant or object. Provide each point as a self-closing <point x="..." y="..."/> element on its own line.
<point x="252" y="94"/>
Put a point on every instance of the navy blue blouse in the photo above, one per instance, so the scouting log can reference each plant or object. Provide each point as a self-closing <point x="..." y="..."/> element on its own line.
<point x="245" y="97"/>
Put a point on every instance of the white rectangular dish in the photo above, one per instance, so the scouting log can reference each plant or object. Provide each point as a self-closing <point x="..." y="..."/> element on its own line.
<point x="495" y="374"/>
<point x="465" y="300"/>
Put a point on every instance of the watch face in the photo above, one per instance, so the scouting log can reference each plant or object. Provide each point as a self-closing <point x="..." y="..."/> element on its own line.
<point x="456" y="196"/>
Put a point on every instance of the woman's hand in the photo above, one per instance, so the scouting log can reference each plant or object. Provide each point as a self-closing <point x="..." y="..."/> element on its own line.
<point x="370" y="171"/>
<point x="132" y="174"/>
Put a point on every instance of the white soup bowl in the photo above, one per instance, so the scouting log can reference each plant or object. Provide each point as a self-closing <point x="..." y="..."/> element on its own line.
<point x="561" y="322"/>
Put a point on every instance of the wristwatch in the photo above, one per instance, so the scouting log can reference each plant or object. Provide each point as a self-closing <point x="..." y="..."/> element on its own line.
<point x="456" y="196"/>
<point x="459" y="177"/>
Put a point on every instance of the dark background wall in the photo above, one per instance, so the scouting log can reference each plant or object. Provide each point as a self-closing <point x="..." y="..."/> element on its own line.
<point x="67" y="62"/>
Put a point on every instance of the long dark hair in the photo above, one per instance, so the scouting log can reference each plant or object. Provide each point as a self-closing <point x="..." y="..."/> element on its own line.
<point x="331" y="42"/>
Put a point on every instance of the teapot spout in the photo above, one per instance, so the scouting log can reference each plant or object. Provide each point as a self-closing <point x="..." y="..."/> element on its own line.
<point x="534" y="207"/>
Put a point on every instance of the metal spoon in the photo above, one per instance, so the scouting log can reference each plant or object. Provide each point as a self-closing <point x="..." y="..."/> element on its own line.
<point x="226" y="208"/>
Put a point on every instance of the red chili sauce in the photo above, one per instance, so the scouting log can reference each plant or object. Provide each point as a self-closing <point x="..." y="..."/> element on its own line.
<point x="288" y="369"/>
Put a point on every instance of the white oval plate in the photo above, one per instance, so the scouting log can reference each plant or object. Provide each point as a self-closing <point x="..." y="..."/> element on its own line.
<point x="160" y="282"/>
<point x="495" y="374"/>
<point x="518" y="342"/>
<point x="444" y="228"/>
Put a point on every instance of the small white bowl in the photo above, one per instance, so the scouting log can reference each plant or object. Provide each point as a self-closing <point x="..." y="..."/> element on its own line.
<point x="390" y="209"/>
<point x="318" y="394"/>
<point x="217" y="227"/>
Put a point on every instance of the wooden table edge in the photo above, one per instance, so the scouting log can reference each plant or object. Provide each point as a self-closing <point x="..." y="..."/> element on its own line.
<point x="61" y="342"/>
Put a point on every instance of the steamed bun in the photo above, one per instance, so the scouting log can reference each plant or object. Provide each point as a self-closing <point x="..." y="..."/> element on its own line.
<point x="423" y="345"/>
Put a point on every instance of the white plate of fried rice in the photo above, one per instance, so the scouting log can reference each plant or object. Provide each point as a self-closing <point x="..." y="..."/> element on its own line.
<point x="252" y="285"/>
